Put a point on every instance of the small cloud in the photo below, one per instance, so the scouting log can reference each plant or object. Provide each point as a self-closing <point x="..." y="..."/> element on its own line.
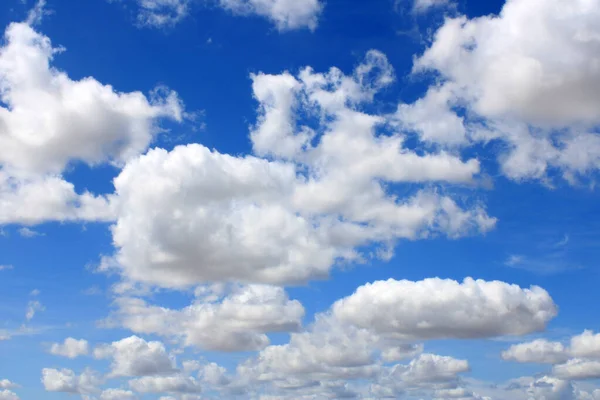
<point x="35" y="292"/>
<point x="563" y="242"/>
<point x="6" y="267"/>
<point x="32" y="308"/>
<point x="29" y="233"/>
<point x="209" y="40"/>
<point x="514" y="260"/>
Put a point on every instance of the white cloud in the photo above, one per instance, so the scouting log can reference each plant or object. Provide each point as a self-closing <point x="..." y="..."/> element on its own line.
<point x="66" y="381"/>
<point x="50" y="120"/>
<point x="503" y="70"/>
<point x="289" y="220"/>
<point x="285" y="14"/>
<point x="586" y="345"/>
<point x="236" y="322"/>
<point x="33" y="307"/>
<point x="6" y="267"/>
<point x="162" y="13"/>
<point x="134" y="356"/>
<point x="6" y="384"/>
<point x="28" y="233"/>
<point x="8" y="395"/>
<point x="421" y="6"/>
<point x="117" y="394"/>
<point x="576" y="369"/>
<point x="168" y="384"/>
<point x="539" y="351"/>
<point x="71" y="348"/>
<point x="436" y="308"/>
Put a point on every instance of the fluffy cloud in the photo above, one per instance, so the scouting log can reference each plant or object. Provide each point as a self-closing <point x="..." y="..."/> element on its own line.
<point x="576" y="369"/>
<point x="6" y="384"/>
<point x="285" y="14"/>
<point x="503" y="70"/>
<point x="236" y="322"/>
<point x="50" y="120"/>
<point x="8" y="395"/>
<point x="165" y="384"/>
<point x="436" y="308"/>
<point x="539" y="351"/>
<point x="117" y="394"/>
<point x="162" y="13"/>
<point x="67" y="381"/>
<point x="134" y="356"/>
<point x="71" y="348"/>
<point x="291" y="219"/>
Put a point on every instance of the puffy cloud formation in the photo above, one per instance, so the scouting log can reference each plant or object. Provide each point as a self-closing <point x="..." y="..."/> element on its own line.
<point x="539" y="351"/>
<point x="6" y="384"/>
<point x="133" y="356"/>
<point x="236" y="322"/>
<point x="436" y="308"/>
<point x="67" y="381"/>
<point x="503" y="70"/>
<point x="71" y="348"/>
<point x="363" y="333"/>
<point x="580" y="360"/>
<point x="291" y="219"/>
<point x="165" y="384"/>
<point x="285" y="14"/>
<point x="117" y="394"/>
<point x="48" y="121"/>
<point x="8" y="395"/>
<point x="162" y="13"/>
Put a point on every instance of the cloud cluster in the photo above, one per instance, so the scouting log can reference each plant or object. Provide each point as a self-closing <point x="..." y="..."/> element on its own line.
<point x="284" y="14"/>
<point x="71" y="348"/>
<point x="579" y="360"/>
<point x="502" y="81"/>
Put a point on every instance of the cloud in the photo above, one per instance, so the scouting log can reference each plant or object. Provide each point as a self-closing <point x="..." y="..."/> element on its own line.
<point x="236" y="322"/>
<point x="285" y="14"/>
<point x="421" y="6"/>
<point x="8" y="395"/>
<point x="6" y="267"/>
<point x="6" y="384"/>
<point x="502" y="72"/>
<point x="293" y="218"/>
<point x="133" y="356"/>
<point x="66" y="381"/>
<point x="169" y="384"/>
<point x="539" y="351"/>
<point x="436" y="308"/>
<point x="71" y="348"/>
<point x="29" y="233"/>
<point x="117" y="394"/>
<point x="577" y="369"/>
<point x="32" y="308"/>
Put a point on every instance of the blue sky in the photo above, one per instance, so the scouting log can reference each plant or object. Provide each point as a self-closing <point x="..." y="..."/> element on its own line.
<point x="299" y="199"/>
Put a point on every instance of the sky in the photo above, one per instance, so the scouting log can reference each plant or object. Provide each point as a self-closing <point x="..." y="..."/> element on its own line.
<point x="299" y="199"/>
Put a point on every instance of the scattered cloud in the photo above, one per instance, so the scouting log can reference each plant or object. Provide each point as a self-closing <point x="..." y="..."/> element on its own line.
<point x="71" y="348"/>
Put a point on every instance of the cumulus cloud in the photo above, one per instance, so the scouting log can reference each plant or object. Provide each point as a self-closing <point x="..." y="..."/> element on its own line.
<point x="285" y="14"/>
<point x="502" y="69"/>
<point x="117" y="394"/>
<point x="133" y="356"/>
<point x="539" y="351"/>
<point x="67" y="381"/>
<point x="294" y="218"/>
<point x="237" y="322"/>
<point x="70" y="348"/>
<point x="8" y="395"/>
<point x="436" y="308"/>
<point x="48" y="120"/>
<point x="6" y="384"/>
<point x="166" y="384"/>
